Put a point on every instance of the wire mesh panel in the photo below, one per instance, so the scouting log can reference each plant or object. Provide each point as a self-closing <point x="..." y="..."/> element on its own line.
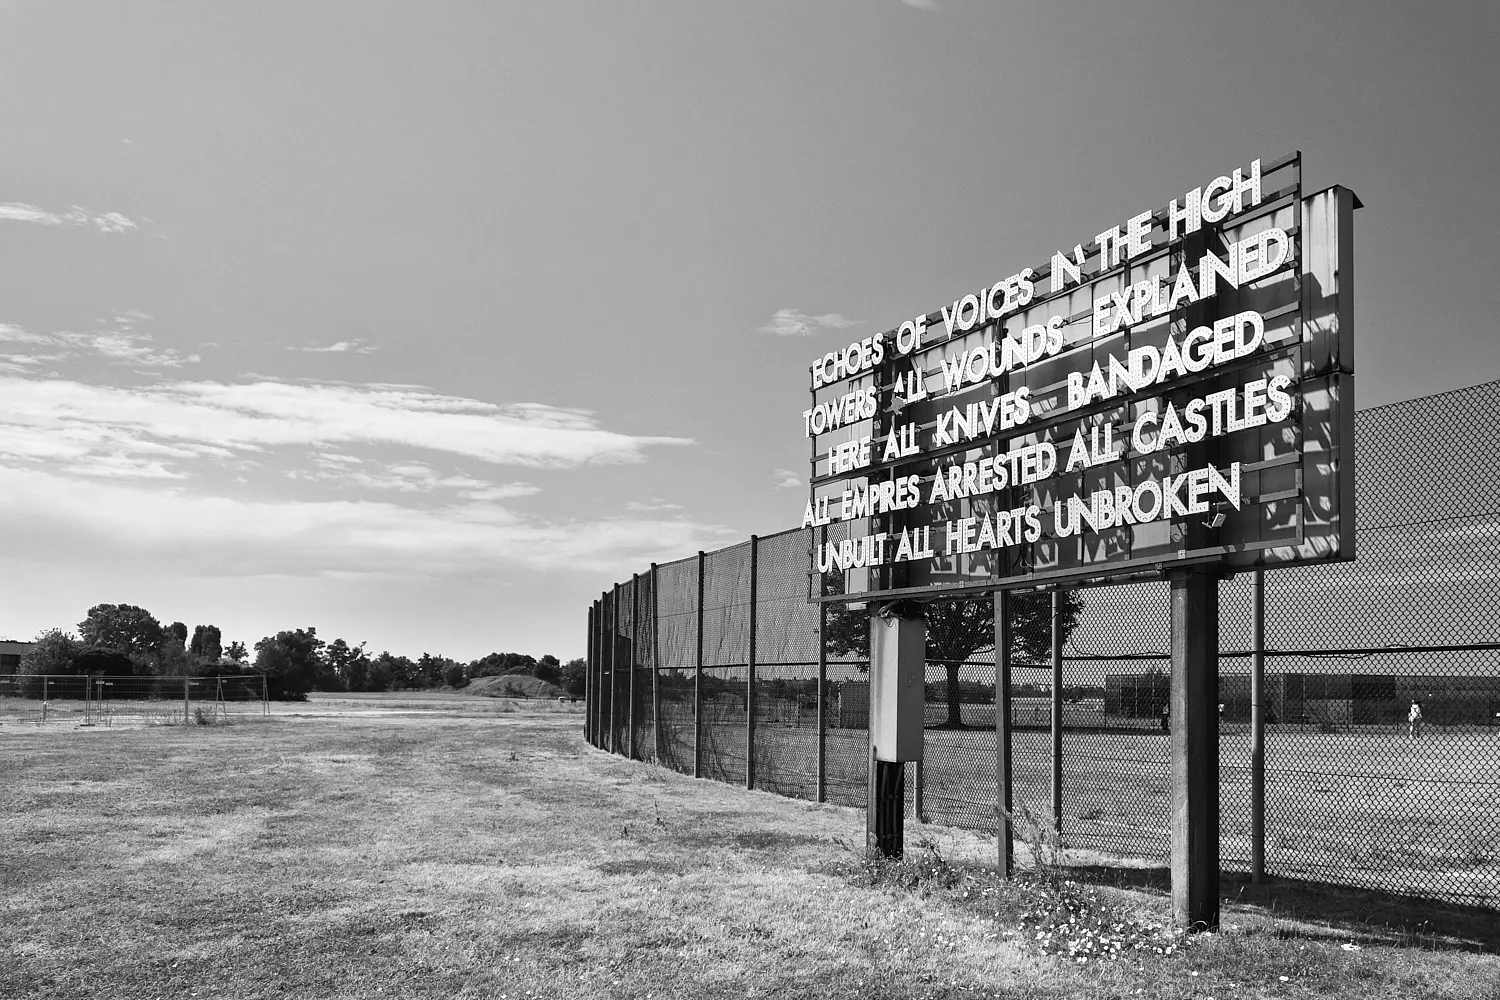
<point x="622" y="658"/>
<point x="846" y="721"/>
<point x="1115" y="684"/>
<point x="677" y="659"/>
<point x="643" y="672"/>
<point x="958" y="760"/>
<point x="726" y="652"/>
<point x="786" y="672"/>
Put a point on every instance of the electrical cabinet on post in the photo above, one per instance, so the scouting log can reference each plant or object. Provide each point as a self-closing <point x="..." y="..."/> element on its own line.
<point x="898" y="655"/>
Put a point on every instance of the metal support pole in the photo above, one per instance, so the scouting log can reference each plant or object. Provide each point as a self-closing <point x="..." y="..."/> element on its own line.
<point x="822" y="786"/>
<point x="655" y="673"/>
<point x="1258" y="728"/>
<point x="698" y="682"/>
<point x="186" y="712"/>
<point x="1006" y="861"/>
<point x="45" y="698"/>
<point x="1057" y="768"/>
<point x="635" y="631"/>
<point x="614" y="671"/>
<point x="588" y="675"/>
<point x="606" y="678"/>
<point x="750" y="670"/>
<point x="1194" y="741"/>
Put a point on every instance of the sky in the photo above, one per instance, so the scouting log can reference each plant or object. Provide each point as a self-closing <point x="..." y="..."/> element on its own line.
<point x="422" y="324"/>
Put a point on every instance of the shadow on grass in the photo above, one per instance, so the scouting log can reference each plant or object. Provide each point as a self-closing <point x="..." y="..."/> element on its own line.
<point x="1317" y="910"/>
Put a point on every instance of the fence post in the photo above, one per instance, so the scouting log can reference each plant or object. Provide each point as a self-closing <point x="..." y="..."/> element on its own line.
<point x="822" y="793"/>
<point x="265" y="696"/>
<point x="1195" y="748"/>
<point x="600" y="739"/>
<point x="635" y="631"/>
<point x="1006" y="860"/>
<point x="698" y="682"/>
<point x="614" y="670"/>
<point x="45" y="697"/>
<point x="1057" y="769"/>
<point x="655" y="672"/>
<point x="588" y="681"/>
<point x="1257" y="728"/>
<point x="186" y="710"/>
<point x="750" y="671"/>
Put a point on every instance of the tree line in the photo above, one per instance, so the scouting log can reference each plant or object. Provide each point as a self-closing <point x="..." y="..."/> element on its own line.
<point x="123" y="640"/>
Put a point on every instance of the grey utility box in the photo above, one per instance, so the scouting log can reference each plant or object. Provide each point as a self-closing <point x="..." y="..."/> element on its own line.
<point x="898" y="655"/>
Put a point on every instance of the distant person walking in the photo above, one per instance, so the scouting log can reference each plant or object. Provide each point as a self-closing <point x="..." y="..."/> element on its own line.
<point x="1166" y="717"/>
<point x="1414" y="718"/>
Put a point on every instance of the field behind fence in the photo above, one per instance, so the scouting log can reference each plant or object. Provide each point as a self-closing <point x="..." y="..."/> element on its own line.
<point x="711" y="665"/>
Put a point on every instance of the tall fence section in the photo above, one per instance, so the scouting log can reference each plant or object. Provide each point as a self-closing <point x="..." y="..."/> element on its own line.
<point x="81" y="700"/>
<point x="712" y="666"/>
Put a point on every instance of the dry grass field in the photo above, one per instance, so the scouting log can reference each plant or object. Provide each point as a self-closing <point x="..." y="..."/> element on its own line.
<point x="438" y="846"/>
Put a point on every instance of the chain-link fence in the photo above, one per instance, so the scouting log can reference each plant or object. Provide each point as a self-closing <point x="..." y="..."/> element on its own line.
<point x="1380" y="697"/>
<point x="73" y="700"/>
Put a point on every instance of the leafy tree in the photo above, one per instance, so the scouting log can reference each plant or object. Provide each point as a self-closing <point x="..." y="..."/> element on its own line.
<point x="97" y="662"/>
<point x="548" y="669"/>
<point x="124" y="627"/>
<point x="177" y="632"/>
<point x="173" y="659"/>
<point x="575" y="677"/>
<point x="398" y="673"/>
<point x="957" y="629"/>
<point x="292" y="661"/>
<point x="454" y="674"/>
<point x="237" y="651"/>
<point x="351" y="663"/>
<point x="503" y="663"/>
<point x="55" y="652"/>
<point x="195" y="646"/>
<point x="380" y="674"/>
<point x="213" y="644"/>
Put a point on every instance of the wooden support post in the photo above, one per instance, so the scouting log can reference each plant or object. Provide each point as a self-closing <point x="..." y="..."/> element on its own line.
<point x="1057" y="768"/>
<point x="750" y="669"/>
<point x="1194" y="743"/>
<point x="1006" y="860"/>
<point x="655" y="674"/>
<point x="698" y="682"/>
<point x="1258" y="728"/>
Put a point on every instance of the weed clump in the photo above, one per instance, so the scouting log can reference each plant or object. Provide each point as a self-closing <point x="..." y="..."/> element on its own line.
<point x="1039" y="909"/>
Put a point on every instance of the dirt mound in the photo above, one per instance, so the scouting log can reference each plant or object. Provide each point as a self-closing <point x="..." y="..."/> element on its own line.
<point x="512" y="686"/>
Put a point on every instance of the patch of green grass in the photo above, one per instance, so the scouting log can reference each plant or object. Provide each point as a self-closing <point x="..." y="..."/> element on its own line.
<point x="447" y="854"/>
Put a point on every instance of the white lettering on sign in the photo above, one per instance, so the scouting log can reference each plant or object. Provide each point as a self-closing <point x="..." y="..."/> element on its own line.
<point x="1149" y="389"/>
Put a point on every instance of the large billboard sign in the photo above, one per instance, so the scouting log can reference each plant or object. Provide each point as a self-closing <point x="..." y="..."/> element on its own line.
<point x="1178" y="390"/>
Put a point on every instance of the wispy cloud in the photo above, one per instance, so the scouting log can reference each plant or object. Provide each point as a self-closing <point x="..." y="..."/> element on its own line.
<point x="795" y="323"/>
<point x="249" y="537"/>
<point x="68" y="420"/>
<point x="409" y="477"/>
<point x="108" y="222"/>
<point x="121" y="345"/>
<point x="922" y="4"/>
<point x="785" y="479"/>
<point x="354" y="346"/>
<point x="655" y="504"/>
